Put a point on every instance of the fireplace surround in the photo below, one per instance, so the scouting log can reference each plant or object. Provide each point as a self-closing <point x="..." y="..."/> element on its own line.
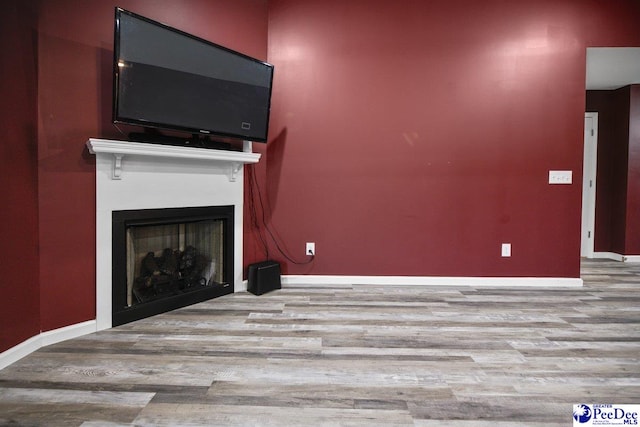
<point x="169" y="258"/>
<point x="140" y="176"/>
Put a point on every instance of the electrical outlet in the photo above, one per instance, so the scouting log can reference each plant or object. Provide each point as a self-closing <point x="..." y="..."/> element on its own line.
<point x="506" y="249"/>
<point x="311" y="249"/>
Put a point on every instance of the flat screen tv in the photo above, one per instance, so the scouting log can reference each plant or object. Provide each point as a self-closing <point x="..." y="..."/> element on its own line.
<point x="165" y="78"/>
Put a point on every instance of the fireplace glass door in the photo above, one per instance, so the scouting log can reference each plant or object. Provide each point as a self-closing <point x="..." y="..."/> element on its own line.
<point x="170" y="259"/>
<point x="167" y="258"/>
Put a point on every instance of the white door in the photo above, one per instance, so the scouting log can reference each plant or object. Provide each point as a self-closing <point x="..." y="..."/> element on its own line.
<point x="589" y="183"/>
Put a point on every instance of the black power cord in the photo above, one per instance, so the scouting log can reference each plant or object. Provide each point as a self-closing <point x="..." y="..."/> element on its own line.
<point x="253" y="181"/>
<point x="254" y="214"/>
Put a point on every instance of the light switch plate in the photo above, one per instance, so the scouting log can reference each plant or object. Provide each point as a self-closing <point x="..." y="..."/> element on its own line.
<point x="560" y="177"/>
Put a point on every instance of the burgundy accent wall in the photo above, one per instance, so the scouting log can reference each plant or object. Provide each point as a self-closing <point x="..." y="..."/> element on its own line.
<point x="612" y="107"/>
<point x="74" y="96"/>
<point x="413" y="138"/>
<point x="20" y="302"/>
<point x="408" y="138"/>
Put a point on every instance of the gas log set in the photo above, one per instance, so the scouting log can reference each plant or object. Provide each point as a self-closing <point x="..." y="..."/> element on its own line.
<point x="173" y="272"/>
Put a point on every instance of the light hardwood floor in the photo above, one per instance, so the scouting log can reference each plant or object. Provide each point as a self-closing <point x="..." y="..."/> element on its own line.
<point x="348" y="356"/>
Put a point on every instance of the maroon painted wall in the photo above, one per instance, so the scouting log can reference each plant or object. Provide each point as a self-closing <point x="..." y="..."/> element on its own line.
<point x="20" y="302"/>
<point x="413" y="138"/>
<point x="407" y="138"/>
<point x="612" y="107"/>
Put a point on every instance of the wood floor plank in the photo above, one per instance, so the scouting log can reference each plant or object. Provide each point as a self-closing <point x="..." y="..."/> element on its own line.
<point x="348" y="355"/>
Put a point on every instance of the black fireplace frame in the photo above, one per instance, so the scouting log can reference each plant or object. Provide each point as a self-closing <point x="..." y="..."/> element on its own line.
<point x="123" y="219"/>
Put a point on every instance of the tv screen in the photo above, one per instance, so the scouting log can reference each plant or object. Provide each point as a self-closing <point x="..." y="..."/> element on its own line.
<point x="168" y="79"/>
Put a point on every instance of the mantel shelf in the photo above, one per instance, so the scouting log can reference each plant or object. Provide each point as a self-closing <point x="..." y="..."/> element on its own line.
<point x="120" y="149"/>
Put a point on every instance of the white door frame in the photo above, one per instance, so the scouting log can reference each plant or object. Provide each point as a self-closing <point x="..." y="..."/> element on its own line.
<point x="589" y="184"/>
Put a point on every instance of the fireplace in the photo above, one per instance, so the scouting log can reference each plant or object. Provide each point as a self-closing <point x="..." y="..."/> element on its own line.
<point x="169" y="258"/>
<point x="149" y="177"/>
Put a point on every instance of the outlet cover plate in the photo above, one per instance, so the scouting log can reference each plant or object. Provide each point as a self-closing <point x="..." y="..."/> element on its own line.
<point x="310" y="249"/>
<point x="506" y="249"/>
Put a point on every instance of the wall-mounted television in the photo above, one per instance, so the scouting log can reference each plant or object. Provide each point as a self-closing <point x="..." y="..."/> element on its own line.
<point x="165" y="78"/>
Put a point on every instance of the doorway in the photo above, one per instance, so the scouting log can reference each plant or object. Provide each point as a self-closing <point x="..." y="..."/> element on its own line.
<point x="589" y="184"/>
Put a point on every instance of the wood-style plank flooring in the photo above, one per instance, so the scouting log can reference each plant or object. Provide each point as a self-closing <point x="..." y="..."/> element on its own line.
<point x="348" y="356"/>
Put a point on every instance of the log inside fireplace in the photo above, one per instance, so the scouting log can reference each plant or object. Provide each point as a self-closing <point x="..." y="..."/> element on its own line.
<point x="169" y="258"/>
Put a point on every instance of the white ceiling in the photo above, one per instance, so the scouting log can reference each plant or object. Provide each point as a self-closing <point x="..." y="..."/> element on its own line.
<point x="612" y="67"/>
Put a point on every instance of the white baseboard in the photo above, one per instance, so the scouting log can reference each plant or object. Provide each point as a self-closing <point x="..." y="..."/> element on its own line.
<point x="43" y="339"/>
<point x="23" y="349"/>
<point x="607" y="255"/>
<point x="302" y="280"/>
<point x="617" y="257"/>
<point x="68" y="332"/>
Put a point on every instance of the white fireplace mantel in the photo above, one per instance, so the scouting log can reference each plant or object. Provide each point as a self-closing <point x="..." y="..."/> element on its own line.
<point x="132" y="175"/>
<point x="119" y="149"/>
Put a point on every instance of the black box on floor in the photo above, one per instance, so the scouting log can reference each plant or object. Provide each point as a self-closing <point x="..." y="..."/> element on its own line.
<point x="263" y="277"/>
